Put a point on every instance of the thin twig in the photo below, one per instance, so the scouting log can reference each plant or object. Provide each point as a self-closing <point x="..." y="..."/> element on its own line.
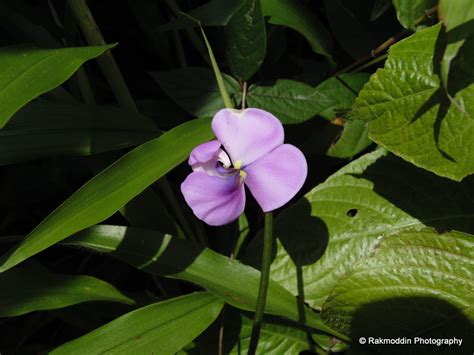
<point x="386" y="44"/>
<point x="244" y="94"/>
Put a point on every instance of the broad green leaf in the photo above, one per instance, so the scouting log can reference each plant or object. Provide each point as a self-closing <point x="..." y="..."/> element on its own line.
<point x="417" y="283"/>
<point x="458" y="18"/>
<point x="295" y="15"/>
<point x="195" y="89"/>
<point x="164" y="255"/>
<point x="408" y="11"/>
<point x="26" y="73"/>
<point x="341" y="92"/>
<point x="32" y="288"/>
<point x="295" y="102"/>
<point x="291" y="101"/>
<point x="43" y="129"/>
<point x="353" y="140"/>
<point x="409" y="113"/>
<point x="340" y="222"/>
<point x="281" y="12"/>
<point x="111" y="189"/>
<point x="163" y="328"/>
<point x="245" y="40"/>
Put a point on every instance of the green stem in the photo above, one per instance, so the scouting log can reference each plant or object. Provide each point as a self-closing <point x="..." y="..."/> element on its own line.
<point x="217" y="73"/>
<point x="106" y="61"/>
<point x="264" y="280"/>
<point x="242" y="235"/>
<point x="368" y="64"/>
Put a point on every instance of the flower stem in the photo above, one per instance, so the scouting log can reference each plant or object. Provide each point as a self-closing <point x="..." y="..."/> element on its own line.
<point x="264" y="280"/>
<point x="218" y="74"/>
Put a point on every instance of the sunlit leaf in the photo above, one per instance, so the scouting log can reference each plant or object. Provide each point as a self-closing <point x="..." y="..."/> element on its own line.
<point x="417" y="283"/>
<point x="26" y="73"/>
<point x="458" y="18"/>
<point x="235" y="283"/>
<point x="111" y="189"/>
<point x="408" y="11"/>
<point x="340" y="222"/>
<point x="409" y="113"/>
<point x="165" y="327"/>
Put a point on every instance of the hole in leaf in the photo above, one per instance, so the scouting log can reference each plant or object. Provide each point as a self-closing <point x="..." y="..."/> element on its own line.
<point x="352" y="212"/>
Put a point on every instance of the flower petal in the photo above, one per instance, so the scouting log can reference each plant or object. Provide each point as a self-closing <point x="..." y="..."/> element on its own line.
<point x="215" y="200"/>
<point x="205" y="156"/>
<point x="204" y="152"/>
<point x="275" y="178"/>
<point x="248" y="134"/>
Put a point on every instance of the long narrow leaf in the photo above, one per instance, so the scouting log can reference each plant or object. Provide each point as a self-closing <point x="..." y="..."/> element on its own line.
<point x="168" y="256"/>
<point x="31" y="288"/>
<point x="26" y="73"/>
<point x="108" y="191"/>
<point x="161" y="328"/>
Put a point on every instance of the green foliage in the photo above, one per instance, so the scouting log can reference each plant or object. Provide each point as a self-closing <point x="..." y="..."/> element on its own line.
<point x="150" y="328"/>
<point x="395" y="291"/>
<point x="27" y="73"/>
<point x="409" y="11"/>
<point x="245" y="40"/>
<point x="199" y="97"/>
<point x="45" y="129"/>
<point x="458" y="18"/>
<point x="112" y="188"/>
<point x="409" y="113"/>
<point x="295" y="102"/>
<point x="295" y="16"/>
<point x="341" y="222"/>
<point x="291" y="101"/>
<point x="235" y="283"/>
<point x="32" y="288"/>
<point x="353" y="140"/>
<point x="379" y="246"/>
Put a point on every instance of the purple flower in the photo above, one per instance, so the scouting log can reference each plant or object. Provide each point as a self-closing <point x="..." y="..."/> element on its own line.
<point x="249" y="151"/>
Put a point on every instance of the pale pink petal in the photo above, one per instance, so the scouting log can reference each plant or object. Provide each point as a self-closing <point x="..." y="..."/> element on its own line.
<point x="275" y="178"/>
<point x="215" y="200"/>
<point x="204" y="158"/>
<point x="204" y="152"/>
<point x="247" y="134"/>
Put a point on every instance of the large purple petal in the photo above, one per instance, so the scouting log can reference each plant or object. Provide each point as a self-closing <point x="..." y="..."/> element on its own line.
<point x="248" y="134"/>
<point x="275" y="178"/>
<point x="215" y="200"/>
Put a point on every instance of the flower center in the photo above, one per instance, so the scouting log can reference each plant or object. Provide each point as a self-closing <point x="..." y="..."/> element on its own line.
<point x="227" y="167"/>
